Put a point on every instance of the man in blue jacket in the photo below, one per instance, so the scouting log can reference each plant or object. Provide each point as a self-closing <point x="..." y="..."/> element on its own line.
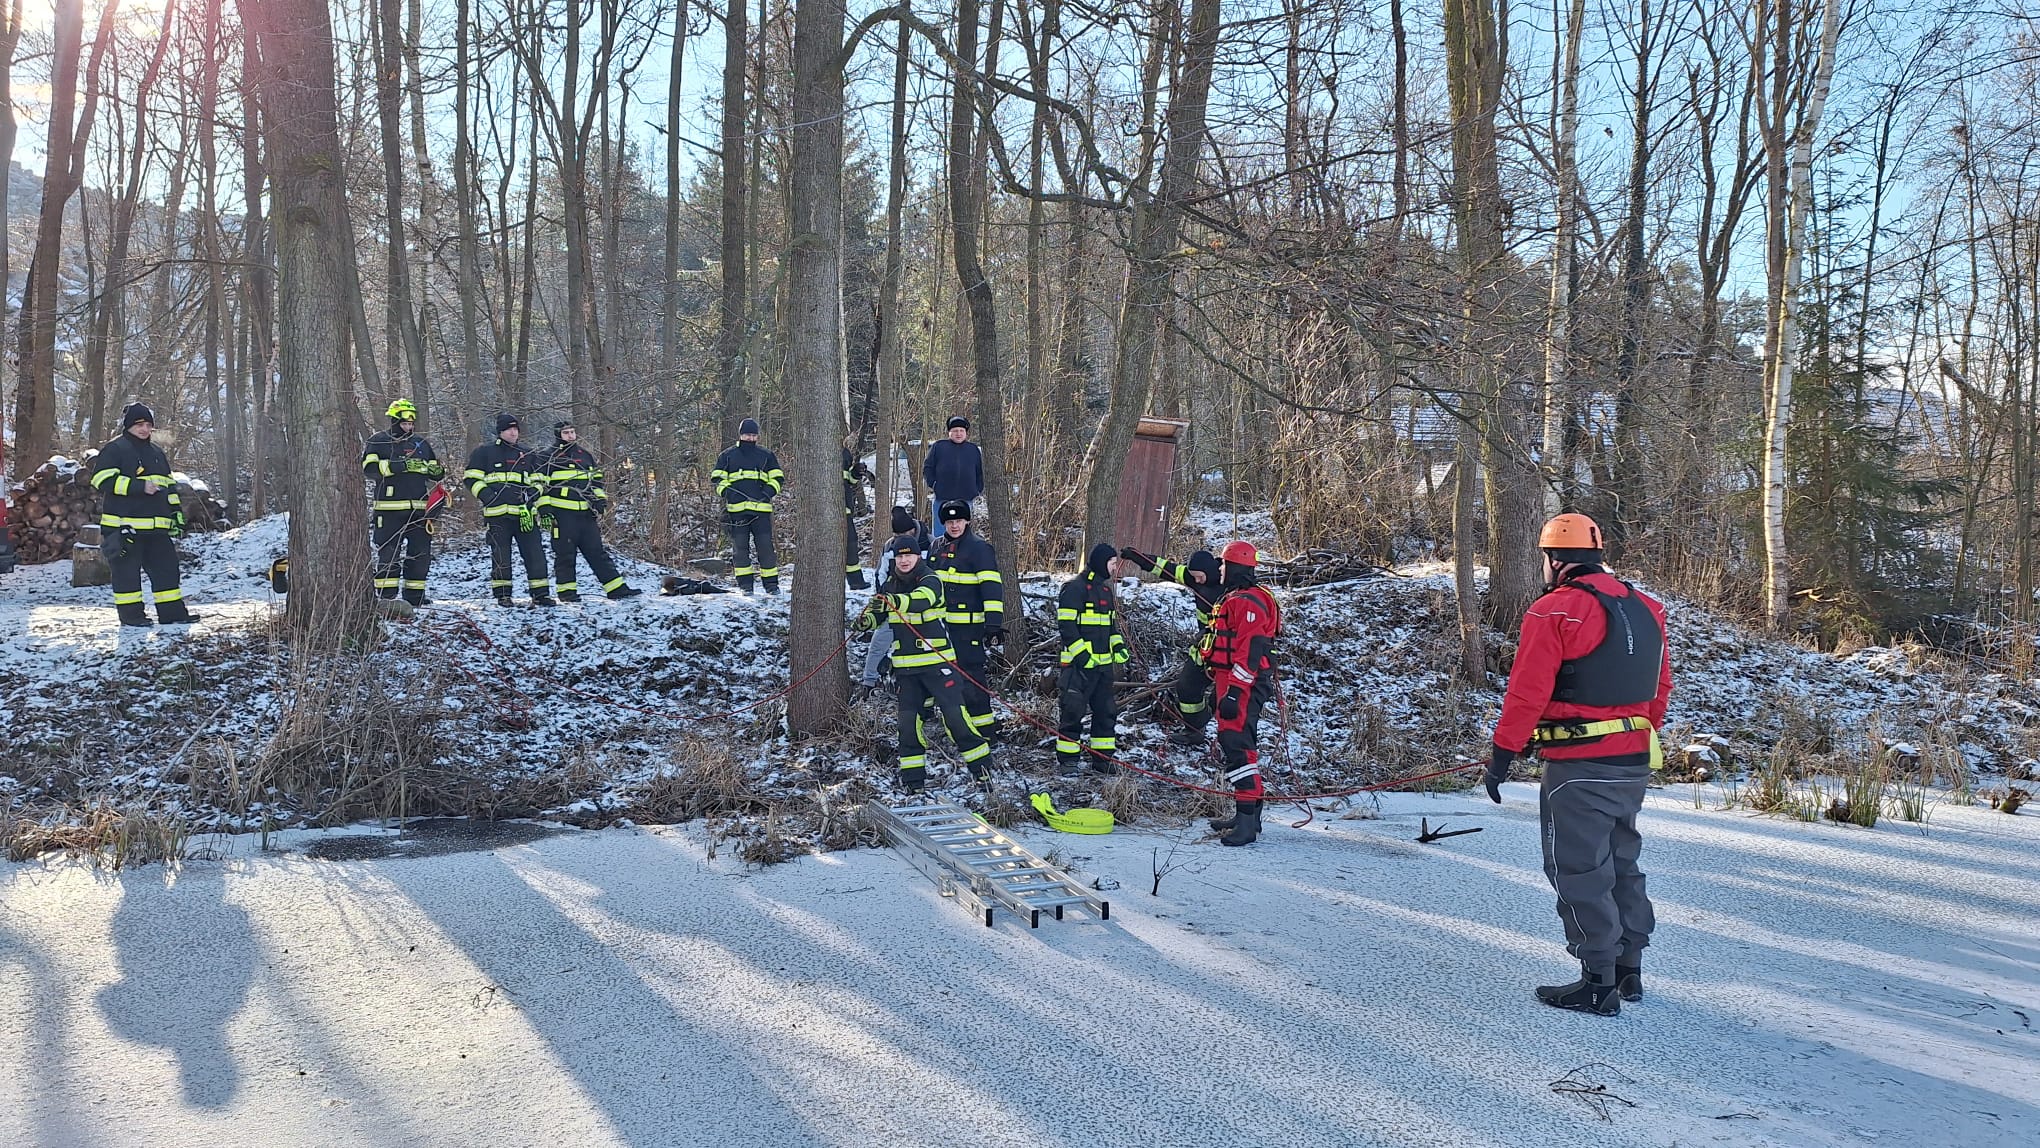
<point x="954" y="469"/>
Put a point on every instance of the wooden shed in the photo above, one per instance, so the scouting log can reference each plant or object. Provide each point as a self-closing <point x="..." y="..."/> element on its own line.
<point x="1147" y="486"/>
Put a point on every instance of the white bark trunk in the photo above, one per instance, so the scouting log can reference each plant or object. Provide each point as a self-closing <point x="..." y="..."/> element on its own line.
<point x="1778" y="420"/>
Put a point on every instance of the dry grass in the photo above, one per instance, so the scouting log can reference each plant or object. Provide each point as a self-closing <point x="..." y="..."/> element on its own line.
<point x="1121" y="796"/>
<point x="707" y="780"/>
<point x="105" y="835"/>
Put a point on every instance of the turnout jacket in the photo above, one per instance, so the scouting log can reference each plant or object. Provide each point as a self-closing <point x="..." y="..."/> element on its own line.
<point x="748" y="478"/>
<point x="1563" y="626"/>
<point x="573" y="481"/>
<point x="913" y="600"/>
<point x="403" y="469"/>
<point x="853" y="473"/>
<point x="504" y="477"/>
<point x="972" y="590"/>
<point x="1086" y="618"/>
<point x="1206" y="593"/>
<point x="119" y="471"/>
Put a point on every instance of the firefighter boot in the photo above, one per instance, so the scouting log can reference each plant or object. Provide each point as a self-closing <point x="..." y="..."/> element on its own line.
<point x="1246" y="824"/>
<point x="543" y="600"/>
<point x="1629" y="982"/>
<point x="1594" y="992"/>
<point x="134" y="614"/>
<point x="771" y="587"/>
<point x="175" y="613"/>
<point x="914" y="778"/>
<point x="623" y="592"/>
<point x="570" y="595"/>
<point x="856" y="579"/>
<point x="744" y="583"/>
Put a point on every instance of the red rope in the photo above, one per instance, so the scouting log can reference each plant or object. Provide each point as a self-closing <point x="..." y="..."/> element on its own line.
<point x="1283" y="798"/>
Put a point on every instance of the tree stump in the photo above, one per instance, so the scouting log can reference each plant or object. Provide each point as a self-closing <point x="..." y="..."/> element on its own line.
<point x="88" y="563"/>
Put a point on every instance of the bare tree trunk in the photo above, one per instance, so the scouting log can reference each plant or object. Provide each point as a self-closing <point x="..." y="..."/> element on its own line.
<point x="227" y="407"/>
<point x="1789" y="206"/>
<point x="966" y="206"/>
<point x="1558" y="322"/>
<point x="814" y="371"/>
<point x="730" y="336"/>
<point x="10" y="41"/>
<point x="35" y="400"/>
<point x="400" y="320"/>
<point x="107" y="308"/>
<point x="669" y="317"/>
<point x="464" y="194"/>
<point x="329" y="594"/>
<point x="1629" y="464"/>
<point x="1156" y="226"/>
<point x="256" y="282"/>
<point x="889" y="370"/>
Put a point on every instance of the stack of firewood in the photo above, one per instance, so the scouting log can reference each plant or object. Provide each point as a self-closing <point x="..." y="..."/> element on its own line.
<point x="46" y="511"/>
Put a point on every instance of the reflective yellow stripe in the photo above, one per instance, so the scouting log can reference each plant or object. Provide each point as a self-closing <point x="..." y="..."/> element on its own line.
<point x="613" y="583"/>
<point x="977" y="751"/>
<point x="111" y="472"/>
<point x="760" y="507"/>
<point x="400" y="504"/>
<point x="1064" y="745"/>
<point x="117" y="522"/>
<point x="163" y="596"/>
<point x="1065" y="614"/>
<point x="1556" y="732"/>
<point x="914" y="761"/>
<point x="127" y="597"/>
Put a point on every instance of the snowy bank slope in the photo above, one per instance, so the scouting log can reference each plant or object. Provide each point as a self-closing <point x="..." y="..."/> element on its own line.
<point x="1337" y="985"/>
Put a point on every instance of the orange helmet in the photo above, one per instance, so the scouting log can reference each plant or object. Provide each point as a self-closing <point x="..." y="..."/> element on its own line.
<point x="1240" y="554"/>
<point x="1570" y="532"/>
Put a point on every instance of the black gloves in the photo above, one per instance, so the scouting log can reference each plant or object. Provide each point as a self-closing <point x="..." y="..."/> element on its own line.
<point x="1144" y="561"/>
<point x="598" y="505"/>
<point x="1229" y="706"/>
<point x="1498" y="772"/>
<point x="995" y="635"/>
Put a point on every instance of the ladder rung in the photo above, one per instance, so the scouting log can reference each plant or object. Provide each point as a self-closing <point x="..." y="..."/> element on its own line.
<point x="983" y="864"/>
<point x="1052" y="902"/>
<point x="1042" y="887"/>
<point x="961" y="834"/>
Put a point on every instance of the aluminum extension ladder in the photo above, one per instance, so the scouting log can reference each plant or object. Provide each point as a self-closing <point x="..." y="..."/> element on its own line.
<point x="982" y="868"/>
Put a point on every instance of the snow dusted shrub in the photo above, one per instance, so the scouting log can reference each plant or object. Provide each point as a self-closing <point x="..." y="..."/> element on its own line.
<point x="117" y="838"/>
<point x="707" y="779"/>
<point x="1771" y="786"/>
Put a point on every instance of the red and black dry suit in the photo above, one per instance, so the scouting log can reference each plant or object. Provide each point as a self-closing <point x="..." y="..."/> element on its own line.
<point x="403" y="470"/>
<point x="137" y="529"/>
<point x="1193" y="684"/>
<point x="575" y="498"/>
<point x="1086" y="618"/>
<point x="1241" y="661"/>
<point x="1588" y="690"/>
<point x="924" y="667"/>
<point x="974" y="601"/>
<point x="507" y="480"/>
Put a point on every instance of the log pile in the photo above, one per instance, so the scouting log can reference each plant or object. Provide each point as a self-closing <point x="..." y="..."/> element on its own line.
<point x="46" y="511"/>
<point x="1316" y="568"/>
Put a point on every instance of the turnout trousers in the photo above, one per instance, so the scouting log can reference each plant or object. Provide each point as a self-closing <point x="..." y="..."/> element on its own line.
<point x="151" y="552"/>
<point x="503" y="534"/>
<point x="1193" y="693"/>
<point x="403" y="554"/>
<point x="1587" y="813"/>
<point x="940" y="688"/>
<point x="1083" y="692"/>
<point x="580" y="532"/>
<point x="968" y="640"/>
<point x="748" y="532"/>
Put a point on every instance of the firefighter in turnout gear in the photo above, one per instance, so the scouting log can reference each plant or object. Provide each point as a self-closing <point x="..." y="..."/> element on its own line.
<point x="575" y="498"/>
<point x="140" y="516"/>
<point x="909" y="599"/>
<point x="401" y="465"/>
<point x="1588" y="690"/>
<point x="508" y="481"/>
<point x="975" y="599"/>
<point x="1193" y="685"/>
<point x="1240" y="656"/>
<point x="854" y="474"/>
<point x="748" y="478"/>
<point x="1086" y="618"/>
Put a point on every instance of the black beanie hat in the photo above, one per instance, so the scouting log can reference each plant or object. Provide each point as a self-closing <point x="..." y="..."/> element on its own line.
<point x="748" y="426"/>
<point x="954" y="509"/>
<point x="958" y="421"/>
<point x="561" y="425"/>
<point x="1101" y="554"/>
<point x="903" y="521"/>
<point x="505" y="421"/>
<point x="1207" y="563"/>
<point x="136" y="413"/>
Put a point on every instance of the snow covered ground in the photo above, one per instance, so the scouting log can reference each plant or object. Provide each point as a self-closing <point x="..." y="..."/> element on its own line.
<point x="1335" y="985"/>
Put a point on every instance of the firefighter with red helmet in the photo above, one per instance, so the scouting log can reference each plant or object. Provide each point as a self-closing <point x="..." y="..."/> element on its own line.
<point x="1587" y="692"/>
<point x="1239" y="656"/>
<point x="406" y="475"/>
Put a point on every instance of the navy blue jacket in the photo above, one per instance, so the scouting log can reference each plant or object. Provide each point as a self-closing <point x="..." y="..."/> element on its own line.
<point x="954" y="470"/>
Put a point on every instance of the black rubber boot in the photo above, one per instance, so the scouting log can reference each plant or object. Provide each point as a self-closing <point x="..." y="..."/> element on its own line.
<point x="1594" y="993"/>
<point x="1629" y="982"/>
<point x="175" y="614"/>
<point x="856" y="580"/>
<point x="771" y="586"/>
<point x="570" y="595"/>
<point x="1068" y="765"/>
<point x="135" y="616"/>
<point x="1187" y="735"/>
<point x="545" y="600"/>
<point x="914" y="778"/>
<point x="623" y="592"/>
<point x="1246" y="824"/>
<point x="505" y="600"/>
